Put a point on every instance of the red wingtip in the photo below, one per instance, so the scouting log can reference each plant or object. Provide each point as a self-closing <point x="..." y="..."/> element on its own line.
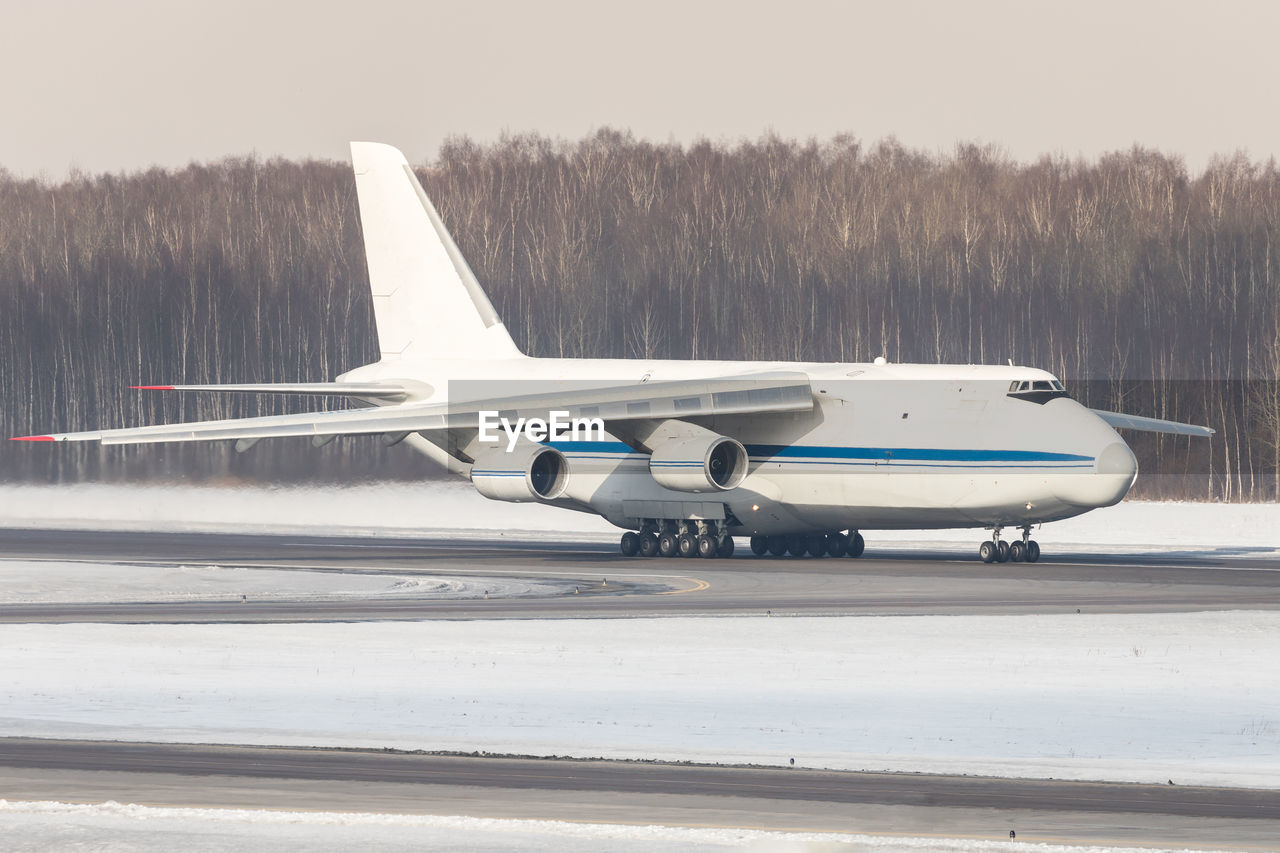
<point x="152" y="387"/>
<point x="32" y="438"/>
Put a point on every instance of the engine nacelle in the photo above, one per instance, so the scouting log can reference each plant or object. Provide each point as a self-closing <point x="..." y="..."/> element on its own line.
<point x="710" y="463"/>
<point x="530" y="472"/>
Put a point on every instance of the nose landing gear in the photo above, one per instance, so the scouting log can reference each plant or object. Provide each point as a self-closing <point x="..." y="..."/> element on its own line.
<point x="997" y="550"/>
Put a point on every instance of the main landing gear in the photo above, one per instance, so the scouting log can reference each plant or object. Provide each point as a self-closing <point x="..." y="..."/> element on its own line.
<point x="810" y="545"/>
<point x="997" y="550"/>
<point x="673" y="538"/>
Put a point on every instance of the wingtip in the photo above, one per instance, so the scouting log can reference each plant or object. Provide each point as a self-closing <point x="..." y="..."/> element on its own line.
<point x="32" y="438"/>
<point x="152" y="387"/>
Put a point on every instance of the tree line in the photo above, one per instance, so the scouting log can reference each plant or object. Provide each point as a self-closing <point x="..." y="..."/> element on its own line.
<point x="1146" y="288"/>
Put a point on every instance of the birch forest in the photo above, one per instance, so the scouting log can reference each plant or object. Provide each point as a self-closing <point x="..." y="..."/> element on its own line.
<point x="1147" y="288"/>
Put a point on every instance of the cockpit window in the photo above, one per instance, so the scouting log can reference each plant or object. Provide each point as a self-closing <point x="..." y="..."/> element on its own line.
<point x="1038" y="391"/>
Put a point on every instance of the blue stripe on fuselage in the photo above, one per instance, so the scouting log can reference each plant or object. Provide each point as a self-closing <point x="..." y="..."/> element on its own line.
<point x="910" y="454"/>
<point x="905" y="455"/>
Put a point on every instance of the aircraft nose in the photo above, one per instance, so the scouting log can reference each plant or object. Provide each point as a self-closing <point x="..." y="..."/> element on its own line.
<point x="1115" y="470"/>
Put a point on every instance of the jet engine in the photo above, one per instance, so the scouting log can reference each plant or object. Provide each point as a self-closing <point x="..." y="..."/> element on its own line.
<point x="704" y="463"/>
<point x="529" y="472"/>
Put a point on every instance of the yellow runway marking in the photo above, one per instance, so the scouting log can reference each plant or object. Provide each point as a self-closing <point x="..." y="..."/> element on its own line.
<point x="698" y="586"/>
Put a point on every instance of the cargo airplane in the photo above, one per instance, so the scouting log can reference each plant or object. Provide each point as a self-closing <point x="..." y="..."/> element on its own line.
<point x="686" y="455"/>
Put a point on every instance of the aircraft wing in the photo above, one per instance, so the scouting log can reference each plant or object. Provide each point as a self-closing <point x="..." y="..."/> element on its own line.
<point x="1122" y="421"/>
<point x="777" y="392"/>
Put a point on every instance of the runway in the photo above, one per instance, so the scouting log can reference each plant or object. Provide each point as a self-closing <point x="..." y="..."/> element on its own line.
<point x="598" y="582"/>
<point x="619" y="791"/>
<point x="639" y="778"/>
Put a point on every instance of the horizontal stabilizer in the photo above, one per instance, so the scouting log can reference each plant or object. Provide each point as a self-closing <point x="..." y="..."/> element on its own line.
<point x="351" y="422"/>
<point x="362" y="390"/>
<point x="1122" y="421"/>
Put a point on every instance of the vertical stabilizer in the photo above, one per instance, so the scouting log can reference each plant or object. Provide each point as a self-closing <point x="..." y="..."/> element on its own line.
<point x="426" y="301"/>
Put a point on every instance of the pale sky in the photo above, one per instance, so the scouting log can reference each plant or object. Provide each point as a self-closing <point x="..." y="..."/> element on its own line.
<point x="112" y="86"/>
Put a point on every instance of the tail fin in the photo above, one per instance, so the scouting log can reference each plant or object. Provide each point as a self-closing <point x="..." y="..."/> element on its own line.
<point x="426" y="301"/>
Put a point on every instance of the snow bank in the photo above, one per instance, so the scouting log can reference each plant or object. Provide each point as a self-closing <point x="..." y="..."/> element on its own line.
<point x="55" y="582"/>
<point x="414" y="509"/>
<point x="39" y="826"/>
<point x="1191" y="697"/>
<point x="354" y="510"/>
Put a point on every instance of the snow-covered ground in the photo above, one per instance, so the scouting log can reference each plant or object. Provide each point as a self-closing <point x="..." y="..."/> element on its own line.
<point x="41" y="826"/>
<point x="57" y="582"/>
<point x="390" y="508"/>
<point x="442" y="506"/>
<point x="1190" y="697"/>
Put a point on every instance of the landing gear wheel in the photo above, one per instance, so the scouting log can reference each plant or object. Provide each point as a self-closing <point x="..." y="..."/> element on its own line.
<point x="759" y="545"/>
<point x="1033" y="551"/>
<point x="648" y="544"/>
<point x="725" y="548"/>
<point x="816" y="545"/>
<point x="667" y="545"/>
<point x="837" y="544"/>
<point x="1017" y="552"/>
<point x="630" y="544"/>
<point x="777" y="545"/>
<point x="687" y="545"/>
<point x="1002" y="555"/>
<point x="988" y="552"/>
<point x="707" y="546"/>
<point x="855" y="546"/>
<point x="797" y="546"/>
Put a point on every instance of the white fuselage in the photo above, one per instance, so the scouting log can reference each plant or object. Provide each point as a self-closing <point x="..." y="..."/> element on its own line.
<point x="885" y="446"/>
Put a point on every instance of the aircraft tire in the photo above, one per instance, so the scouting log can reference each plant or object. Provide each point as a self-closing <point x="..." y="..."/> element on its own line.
<point x="856" y="545"/>
<point x="1033" y="551"/>
<point x="687" y="545"/>
<point x="837" y="544"/>
<point x="648" y="544"/>
<point x="816" y="545"/>
<point x="797" y="546"/>
<point x="667" y="545"/>
<point x="707" y="546"/>
<point x="725" y="548"/>
<point x="1002" y="556"/>
<point x="987" y="552"/>
<point x="759" y="545"/>
<point x="1017" y="552"/>
<point x="777" y="545"/>
<point x="630" y="544"/>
